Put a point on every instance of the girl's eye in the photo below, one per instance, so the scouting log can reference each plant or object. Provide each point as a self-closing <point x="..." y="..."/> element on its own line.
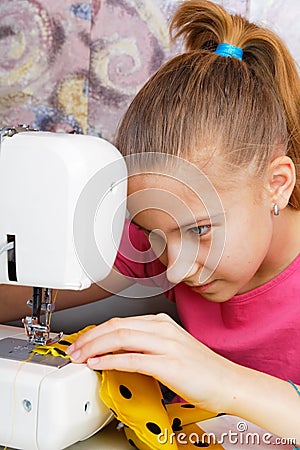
<point x="200" y="230"/>
<point x="142" y="229"/>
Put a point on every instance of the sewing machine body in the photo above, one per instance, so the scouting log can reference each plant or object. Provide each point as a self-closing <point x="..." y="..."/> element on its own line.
<point x="63" y="204"/>
<point x="45" y="407"/>
<point x="57" y="193"/>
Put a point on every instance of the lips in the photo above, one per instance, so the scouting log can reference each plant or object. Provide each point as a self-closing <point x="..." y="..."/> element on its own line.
<point x="203" y="287"/>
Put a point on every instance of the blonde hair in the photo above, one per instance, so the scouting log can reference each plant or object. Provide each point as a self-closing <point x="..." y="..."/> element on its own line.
<point x="200" y="104"/>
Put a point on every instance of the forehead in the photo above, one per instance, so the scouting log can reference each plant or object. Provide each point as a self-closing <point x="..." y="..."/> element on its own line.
<point x="161" y="182"/>
<point x="183" y="201"/>
<point x="175" y="173"/>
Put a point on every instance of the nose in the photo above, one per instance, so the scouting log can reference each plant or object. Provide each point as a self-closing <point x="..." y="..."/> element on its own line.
<point x="182" y="259"/>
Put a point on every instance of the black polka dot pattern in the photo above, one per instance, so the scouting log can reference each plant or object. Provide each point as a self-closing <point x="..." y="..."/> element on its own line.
<point x="201" y="444"/>
<point x="153" y="427"/>
<point x="187" y="405"/>
<point x="176" y="425"/>
<point x="132" y="443"/>
<point x="65" y="342"/>
<point x="125" y="392"/>
<point x="60" y="352"/>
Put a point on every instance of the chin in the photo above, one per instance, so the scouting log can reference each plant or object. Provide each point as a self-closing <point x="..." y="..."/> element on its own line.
<point x="219" y="297"/>
<point x="213" y="291"/>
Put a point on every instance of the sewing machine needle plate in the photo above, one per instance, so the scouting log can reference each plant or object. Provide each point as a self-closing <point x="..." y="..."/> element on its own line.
<point x="20" y="350"/>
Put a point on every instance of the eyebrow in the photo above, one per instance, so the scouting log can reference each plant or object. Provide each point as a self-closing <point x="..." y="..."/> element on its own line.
<point x="199" y="219"/>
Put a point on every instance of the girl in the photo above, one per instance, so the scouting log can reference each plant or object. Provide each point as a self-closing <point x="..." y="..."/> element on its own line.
<point x="212" y="144"/>
<point x="214" y="188"/>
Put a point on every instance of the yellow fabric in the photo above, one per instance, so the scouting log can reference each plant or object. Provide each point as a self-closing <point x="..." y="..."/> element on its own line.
<point x="59" y="348"/>
<point x="136" y="400"/>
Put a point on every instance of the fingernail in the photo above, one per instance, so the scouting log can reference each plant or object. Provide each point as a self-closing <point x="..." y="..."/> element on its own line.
<point x="76" y="355"/>
<point x="70" y="349"/>
<point x="93" y="361"/>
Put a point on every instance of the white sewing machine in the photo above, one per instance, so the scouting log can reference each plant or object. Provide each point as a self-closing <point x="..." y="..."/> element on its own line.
<point x="62" y="206"/>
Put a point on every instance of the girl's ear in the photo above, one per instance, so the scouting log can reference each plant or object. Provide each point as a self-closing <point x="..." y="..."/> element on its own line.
<point x="282" y="179"/>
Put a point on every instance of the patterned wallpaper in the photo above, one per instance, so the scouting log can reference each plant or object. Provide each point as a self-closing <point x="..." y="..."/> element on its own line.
<point x="76" y="65"/>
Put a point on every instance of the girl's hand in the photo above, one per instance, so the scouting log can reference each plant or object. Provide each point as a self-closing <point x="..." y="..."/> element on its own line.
<point x="155" y="345"/>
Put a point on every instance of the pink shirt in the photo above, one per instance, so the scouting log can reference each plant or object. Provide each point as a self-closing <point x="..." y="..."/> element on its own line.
<point x="259" y="329"/>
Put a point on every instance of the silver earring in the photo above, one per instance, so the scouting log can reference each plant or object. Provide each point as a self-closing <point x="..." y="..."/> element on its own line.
<point x="276" y="209"/>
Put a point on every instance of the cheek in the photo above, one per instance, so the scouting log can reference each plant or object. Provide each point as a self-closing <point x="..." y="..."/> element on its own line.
<point x="247" y="245"/>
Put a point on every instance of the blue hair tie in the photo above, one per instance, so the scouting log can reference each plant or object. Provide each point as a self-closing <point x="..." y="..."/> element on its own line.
<point x="294" y="386"/>
<point x="229" y="50"/>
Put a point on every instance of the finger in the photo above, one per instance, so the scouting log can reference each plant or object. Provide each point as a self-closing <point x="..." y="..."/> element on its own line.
<point x="135" y="322"/>
<point x="151" y="365"/>
<point x="129" y="362"/>
<point x="127" y="340"/>
<point x="107" y="326"/>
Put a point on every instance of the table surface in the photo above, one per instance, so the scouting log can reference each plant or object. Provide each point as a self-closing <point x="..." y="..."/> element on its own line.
<point x="106" y="439"/>
<point x="244" y="436"/>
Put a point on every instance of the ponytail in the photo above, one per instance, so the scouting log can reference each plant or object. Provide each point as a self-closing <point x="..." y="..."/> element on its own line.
<point x="204" y="25"/>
